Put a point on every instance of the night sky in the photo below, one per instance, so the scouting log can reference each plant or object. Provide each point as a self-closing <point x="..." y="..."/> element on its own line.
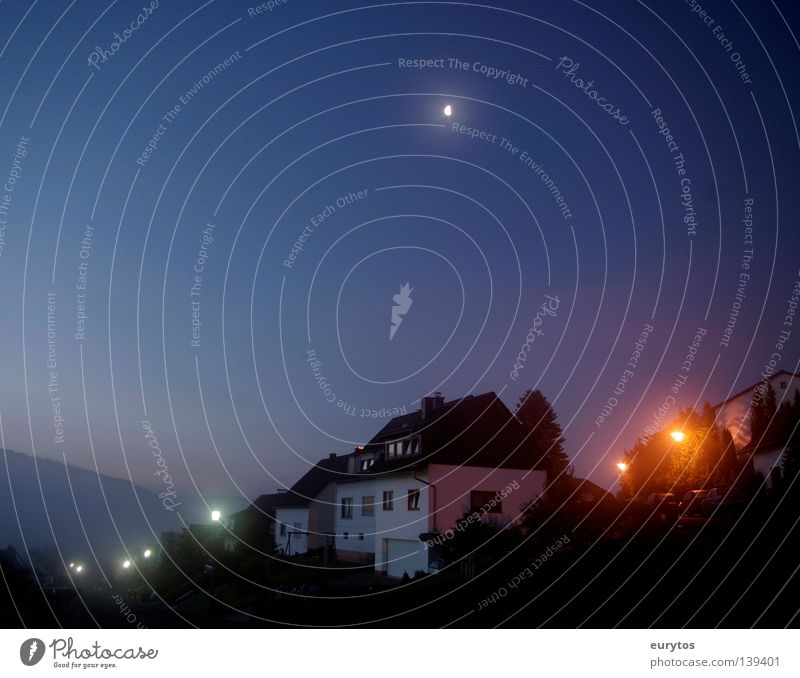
<point x="211" y="215"/>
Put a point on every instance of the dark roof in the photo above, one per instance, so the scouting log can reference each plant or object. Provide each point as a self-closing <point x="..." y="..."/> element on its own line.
<point x="473" y="431"/>
<point x="770" y="440"/>
<point x="745" y="390"/>
<point x="586" y="486"/>
<point x="316" y="479"/>
<point x="303" y="491"/>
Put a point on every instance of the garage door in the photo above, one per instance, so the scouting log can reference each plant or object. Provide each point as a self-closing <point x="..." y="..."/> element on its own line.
<point x="404" y="556"/>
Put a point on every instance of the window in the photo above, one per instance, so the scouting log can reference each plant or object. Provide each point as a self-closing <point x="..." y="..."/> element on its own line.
<point x="402" y="448"/>
<point x="368" y="505"/>
<point x="283" y="529"/>
<point x="388" y="499"/>
<point x="485" y="502"/>
<point x="360" y="536"/>
<point x="298" y="527"/>
<point x="366" y="464"/>
<point x="413" y="500"/>
<point x="347" y="507"/>
<point x="345" y="535"/>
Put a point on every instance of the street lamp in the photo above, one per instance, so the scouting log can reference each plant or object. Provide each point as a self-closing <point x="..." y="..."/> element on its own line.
<point x="215" y="516"/>
<point x="678" y="436"/>
<point x="79" y="569"/>
<point x="622" y="466"/>
<point x="126" y="564"/>
<point x="72" y="566"/>
<point x="147" y="553"/>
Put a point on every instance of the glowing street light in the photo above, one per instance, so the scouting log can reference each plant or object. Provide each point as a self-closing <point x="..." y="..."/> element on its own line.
<point x="215" y="516"/>
<point x="678" y="436"/>
<point x="622" y="466"/>
<point x="147" y="553"/>
<point x="448" y="110"/>
<point x="72" y="566"/>
<point x="79" y="569"/>
<point x="126" y="564"/>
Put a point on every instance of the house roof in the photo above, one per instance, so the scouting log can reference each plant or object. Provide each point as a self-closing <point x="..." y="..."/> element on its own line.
<point x="745" y="390"/>
<point x="766" y="443"/>
<point x="472" y="431"/>
<point x="303" y="491"/>
<point x="316" y="479"/>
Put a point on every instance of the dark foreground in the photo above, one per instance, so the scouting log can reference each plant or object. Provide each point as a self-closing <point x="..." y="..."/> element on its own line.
<point x="635" y="570"/>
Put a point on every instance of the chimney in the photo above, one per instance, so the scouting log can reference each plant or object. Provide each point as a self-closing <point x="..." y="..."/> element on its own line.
<point x="430" y="403"/>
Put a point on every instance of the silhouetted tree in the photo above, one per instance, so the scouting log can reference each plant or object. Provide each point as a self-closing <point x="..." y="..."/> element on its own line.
<point x="791" y="458"/>
<point x="537" y="415"/>
<point x="763" y="407"/>
<point x="729" y="466"/>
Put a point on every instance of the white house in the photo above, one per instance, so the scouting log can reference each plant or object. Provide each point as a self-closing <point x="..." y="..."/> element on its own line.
<point x="291" y="529"/>
<point x="304" y="516"/>
<point x="734" y="414"/>
<point x="427" y="471"/>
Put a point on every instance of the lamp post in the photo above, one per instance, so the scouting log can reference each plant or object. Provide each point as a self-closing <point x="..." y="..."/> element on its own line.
<point x="678" y="436"/>
<point x="126" y="566"/>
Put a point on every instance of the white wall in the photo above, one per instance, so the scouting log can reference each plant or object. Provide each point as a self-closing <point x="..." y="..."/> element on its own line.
<point x="321" y="517"/>
<point x="734" y="416"/>
<point x="768" y="459"/>
<point x="400" y="523"/>
<point x="453" y="487"/>
<point x="294" y="519"/>
<point x="359" y="523"/>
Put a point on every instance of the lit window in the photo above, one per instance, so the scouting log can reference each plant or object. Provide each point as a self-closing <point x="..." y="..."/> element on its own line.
<point x="347" y="507"/>
<point x="413" y="500"/>
<point x="388" y="500"/>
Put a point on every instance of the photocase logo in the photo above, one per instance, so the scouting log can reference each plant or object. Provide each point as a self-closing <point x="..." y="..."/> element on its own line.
<point x="31" y="651"/>
<point x="402" y="302"/>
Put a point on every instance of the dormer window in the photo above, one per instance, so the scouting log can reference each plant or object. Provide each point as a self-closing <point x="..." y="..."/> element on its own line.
<point x="366" y="464"/>
<point x="405" y="447"/>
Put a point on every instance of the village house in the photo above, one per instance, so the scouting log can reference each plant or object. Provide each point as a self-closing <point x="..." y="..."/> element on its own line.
<point x="424" y="472"/>
<point x="766" y="454"/>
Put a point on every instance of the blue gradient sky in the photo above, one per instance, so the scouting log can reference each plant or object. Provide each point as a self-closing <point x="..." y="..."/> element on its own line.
<point x="319" y="109"/>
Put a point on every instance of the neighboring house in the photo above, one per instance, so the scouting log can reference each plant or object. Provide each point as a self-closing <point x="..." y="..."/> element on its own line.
<point x="767" y="459"/>
<point x="766" y="455"/>
<point x="304" y="516"/>
<point x="254" y="526"/>
<point x="423" y="472"/>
